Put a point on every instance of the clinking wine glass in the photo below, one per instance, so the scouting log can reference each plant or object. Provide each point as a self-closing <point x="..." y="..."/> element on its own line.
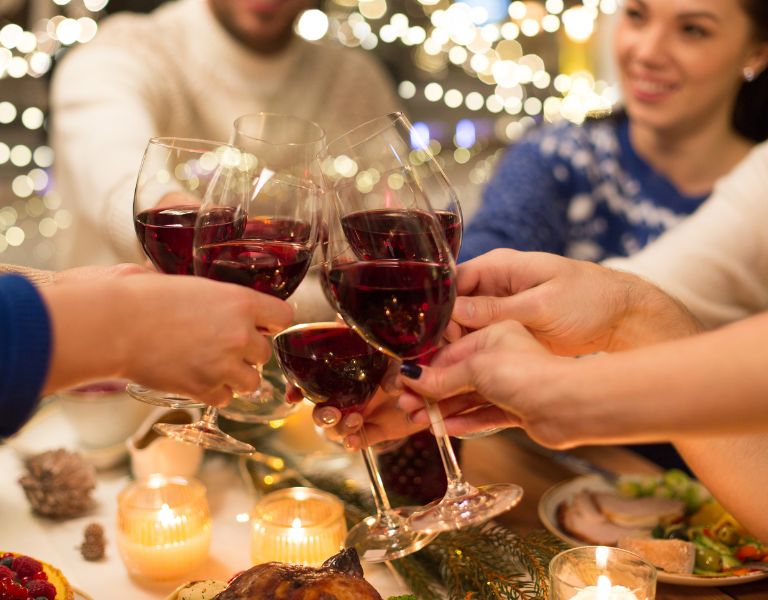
<point x="173" y="178"/>
<point x="217" y="252"/>
<point x="283" y="210"/>
<point x="391" y="273"/>
<point x="333" y="366"/>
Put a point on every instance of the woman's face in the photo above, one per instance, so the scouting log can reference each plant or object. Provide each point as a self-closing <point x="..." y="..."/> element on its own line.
<point x="681" y="62"/>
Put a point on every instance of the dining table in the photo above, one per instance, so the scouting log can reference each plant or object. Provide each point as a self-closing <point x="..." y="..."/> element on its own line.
<point x="498" y="458"/>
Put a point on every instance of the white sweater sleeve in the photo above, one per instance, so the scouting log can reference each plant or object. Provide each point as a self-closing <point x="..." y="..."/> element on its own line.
<point x="103" y="116"/>
<point x="716" y="261"/>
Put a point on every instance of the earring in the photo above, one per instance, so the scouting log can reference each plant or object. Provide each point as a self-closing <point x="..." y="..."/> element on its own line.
<point x="749" y="74"/>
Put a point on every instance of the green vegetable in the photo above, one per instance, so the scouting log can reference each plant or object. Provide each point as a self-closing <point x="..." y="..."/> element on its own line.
<point x="405" y="597"/>
<point x="708" y="559"/>
<point x="728" y="535"/>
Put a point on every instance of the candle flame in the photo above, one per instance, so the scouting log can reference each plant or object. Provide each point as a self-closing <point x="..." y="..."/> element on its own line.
<point x="603" y="588"/>
<point x="601" y="556"/>
<point x="166" y="516"/>
<point x="296" y="523"/>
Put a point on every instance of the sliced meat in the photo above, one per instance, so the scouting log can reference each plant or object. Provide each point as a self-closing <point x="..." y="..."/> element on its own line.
<point x="638" y="512"/>
<point x="582" y="519"/>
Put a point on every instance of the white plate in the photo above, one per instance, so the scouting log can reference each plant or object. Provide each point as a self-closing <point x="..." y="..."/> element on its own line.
<point x="81" y="595"/>
<point x="561" y="492"/>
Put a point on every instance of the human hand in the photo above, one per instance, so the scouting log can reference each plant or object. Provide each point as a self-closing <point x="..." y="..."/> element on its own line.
<point x="572" y="307"/>
<point x="382" y="417"/>
<point x="499" y="376"/>
<point x="197" y="336"/>
<point x="95" y="273"/>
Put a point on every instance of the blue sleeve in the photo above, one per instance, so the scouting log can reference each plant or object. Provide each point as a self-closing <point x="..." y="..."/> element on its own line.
<point x="25" y="348"/>
<point x="522" y="206"/>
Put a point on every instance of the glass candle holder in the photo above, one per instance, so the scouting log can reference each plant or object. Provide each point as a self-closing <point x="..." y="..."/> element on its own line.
<point x="163" y="526"/>
<point x="601" y="573"/>
<point x="297" y="525"/>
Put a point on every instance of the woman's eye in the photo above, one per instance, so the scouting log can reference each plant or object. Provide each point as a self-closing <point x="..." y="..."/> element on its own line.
<point x="695" y="31"/>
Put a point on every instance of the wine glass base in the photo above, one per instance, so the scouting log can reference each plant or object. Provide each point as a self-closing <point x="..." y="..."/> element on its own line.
<point x="375" y="542"/>
<point x="160" y="398"/>
<point x="243" y="409"/>
<point x="483" y="504"/>
<point x="198" y="434"/>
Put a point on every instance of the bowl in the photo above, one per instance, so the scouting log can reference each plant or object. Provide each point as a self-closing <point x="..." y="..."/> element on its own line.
<point x="102" y="414"/>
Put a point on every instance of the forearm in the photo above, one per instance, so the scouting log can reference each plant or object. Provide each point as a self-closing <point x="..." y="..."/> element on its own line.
<point x="647" y="315"/>
<point x="89" y="331"/>
<point x="710" y="384"/>
<point x="733" y="469"/>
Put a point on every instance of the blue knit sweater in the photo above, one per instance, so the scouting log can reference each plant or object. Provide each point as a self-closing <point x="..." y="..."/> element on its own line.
<point x="578" y="191"/>
<point x="25" y="348"/>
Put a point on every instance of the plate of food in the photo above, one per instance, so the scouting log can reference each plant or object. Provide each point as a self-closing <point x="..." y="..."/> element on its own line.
<point x="670" y="520"/>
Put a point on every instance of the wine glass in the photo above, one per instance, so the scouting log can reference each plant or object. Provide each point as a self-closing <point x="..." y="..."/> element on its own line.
<point x="173" y="178"/>
<point x="332" y="365"/>
<point x="218" y="254"/>
<point x="283" y="211"/>
<point x="392" y="276"/>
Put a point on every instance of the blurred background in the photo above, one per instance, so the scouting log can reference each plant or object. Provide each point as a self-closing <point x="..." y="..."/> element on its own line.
<point x="474" y="75"/>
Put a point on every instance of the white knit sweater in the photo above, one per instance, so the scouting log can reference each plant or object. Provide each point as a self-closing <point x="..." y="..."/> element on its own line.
<point x="716" y="261"/>
<point x="177" y="72"/>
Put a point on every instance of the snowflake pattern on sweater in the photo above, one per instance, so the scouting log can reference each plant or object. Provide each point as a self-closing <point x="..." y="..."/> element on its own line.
<point x="579" y="191"/>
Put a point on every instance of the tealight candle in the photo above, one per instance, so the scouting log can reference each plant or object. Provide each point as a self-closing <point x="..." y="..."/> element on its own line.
<point x="297" y="525"/>
<point x="163" y="526"/>
<point x="601" y="573"/>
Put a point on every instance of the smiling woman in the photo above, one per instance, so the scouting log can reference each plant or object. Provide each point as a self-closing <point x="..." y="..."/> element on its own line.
<point x="695" y="90"/>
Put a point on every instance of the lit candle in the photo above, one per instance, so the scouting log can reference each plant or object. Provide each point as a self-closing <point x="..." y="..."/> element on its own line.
<point x="297" y="525"/>
<point x="163" y="527"/>
<point x="601" y="573"/>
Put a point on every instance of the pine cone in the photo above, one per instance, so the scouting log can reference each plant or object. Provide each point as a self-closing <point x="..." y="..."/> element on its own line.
<point x="94" y="543"/>
<point x="59" y="484"/>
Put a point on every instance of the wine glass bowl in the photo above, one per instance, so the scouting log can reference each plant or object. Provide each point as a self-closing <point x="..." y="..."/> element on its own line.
<point x="333" y="366"/>
<point x="174" y="177"/>
<point x="389" y="266"/>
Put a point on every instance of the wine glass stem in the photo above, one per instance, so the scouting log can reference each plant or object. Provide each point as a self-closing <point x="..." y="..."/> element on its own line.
<point x="384" y="511"/>
<point x="457" y="485"/>
<point x="209" y="420"/>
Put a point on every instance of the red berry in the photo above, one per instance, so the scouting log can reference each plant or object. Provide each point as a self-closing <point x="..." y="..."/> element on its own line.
<point x="40" y="575"/>
<point x="15" y="591"/>
<point x="6" y="573"/>
<point x="38" y="588"/>
<point x="26" y="566"/>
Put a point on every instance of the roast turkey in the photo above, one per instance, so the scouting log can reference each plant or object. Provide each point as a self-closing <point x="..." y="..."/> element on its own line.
<point x="339" y="578"/>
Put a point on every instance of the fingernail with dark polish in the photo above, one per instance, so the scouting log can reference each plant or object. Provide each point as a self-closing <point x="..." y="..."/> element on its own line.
<point x="410" y="370"/>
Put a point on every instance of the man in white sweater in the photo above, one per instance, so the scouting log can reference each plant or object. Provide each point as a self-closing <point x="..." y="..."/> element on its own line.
<point x="716" y="261"/>
<point x="188" y="69"/>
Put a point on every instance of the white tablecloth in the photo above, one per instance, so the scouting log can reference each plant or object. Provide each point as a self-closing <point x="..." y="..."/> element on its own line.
<point x="56" y="542"/>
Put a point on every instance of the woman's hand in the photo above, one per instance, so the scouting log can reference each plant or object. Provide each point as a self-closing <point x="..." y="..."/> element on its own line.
<point x="499" y="376"/>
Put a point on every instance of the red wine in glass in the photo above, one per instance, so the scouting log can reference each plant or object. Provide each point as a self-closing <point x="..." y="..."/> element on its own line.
<point x="166" y="234"/>
<point x="274" y="268"/>
<point x="403" y="306"/>
<point x="331" y="364"/>
<point x="397" y="233"/>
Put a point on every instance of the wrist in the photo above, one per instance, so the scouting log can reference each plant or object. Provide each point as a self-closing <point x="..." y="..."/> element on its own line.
<point x="648" y="315"/>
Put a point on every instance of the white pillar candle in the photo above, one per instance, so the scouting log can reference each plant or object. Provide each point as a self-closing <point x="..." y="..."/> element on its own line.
<point x="164" y="527"/>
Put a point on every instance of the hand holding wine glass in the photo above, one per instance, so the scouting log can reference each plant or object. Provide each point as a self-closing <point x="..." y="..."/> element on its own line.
<point x="174" y="177"/>
<point x="391" y="273"/>
<point x="335" y="367"/>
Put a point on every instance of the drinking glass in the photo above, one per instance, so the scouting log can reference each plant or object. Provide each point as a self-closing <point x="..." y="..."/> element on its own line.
<point x="390" y="270"/>
<point x="332" y="365"/>
<point x="283" y="210"/>
<point x="173" y="179"/>
<point x="220" y="254"/>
